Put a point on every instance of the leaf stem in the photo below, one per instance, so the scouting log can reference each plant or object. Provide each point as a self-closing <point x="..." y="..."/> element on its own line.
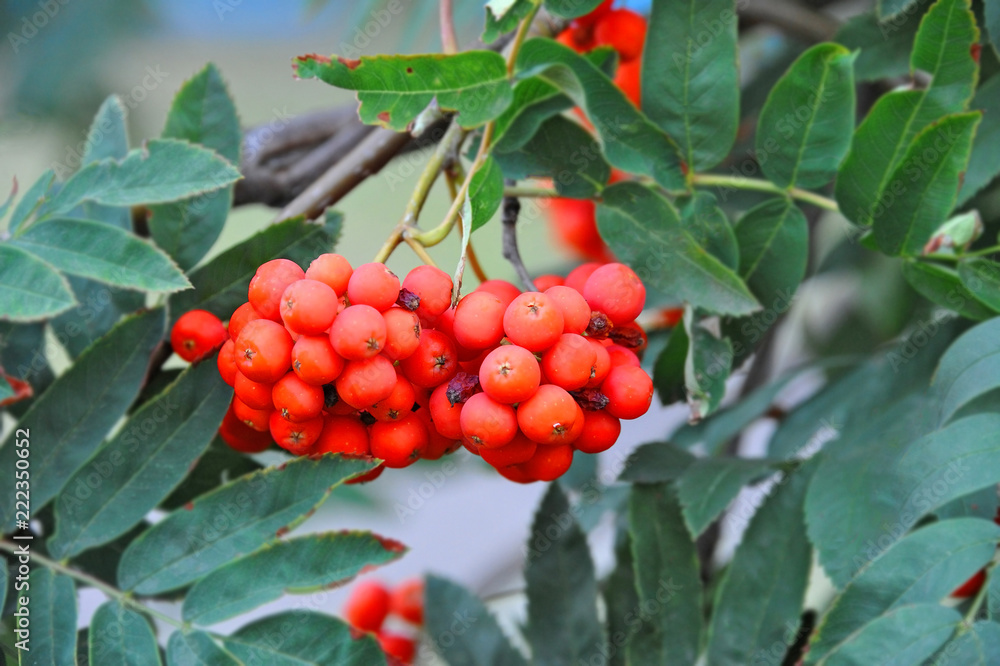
<point x="419" y="250"/>
<point x="449" y="42"/>
<point x="522" y="34"/>
<point x="760" y="185"/>
<point x="113" y="592"/>
<point x="529" y="192"/>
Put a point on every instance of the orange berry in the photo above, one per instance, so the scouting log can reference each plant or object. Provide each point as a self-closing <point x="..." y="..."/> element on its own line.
<point x="255" y="394"/>
<point x="407" y="601"/>
<point x="510" y="374"/>
<point x="446" y="416"/>
<point x="602" y="364"/>
<point x="502" y="289"/>
<point x="551" y="416"/>
<point x="241" y="437"/>
<point x="533" y="321"/>
<point x="332" y="270"/>
<point x="434" y="362"/>
<point x="269" y="283"/>
<point x="398" y="404"/>
<point x="296" y="438"/>
<point x="226" y="363"/>
<point x="343" y="434"/>
<point x="367" y="605"/>
<point x="433" y="286"/>
<point x="623" y="30"/>
<point x="548" y="463"/>
<point x="478" y="322"/>
<point x="402" y="333"/>
<point x="263" y="351"/>
<point x="621" y="356"/>
<point x="315" y="361"/>
<point x="579" y="275"/>
<point x="399" y="443"/>
<point x="196" y="334"/>
<point x="397" y="646"/>
<point x="518" y="450"/>
<point x="629" y="390"/>
<point x="617" y="291"/>
<point x="545" y="282"/>
<point x="296" y="400"/>
<point x="363" y="383"/>
<point x="253" y="418"/>
<point x="488" y="423"/>
<point x="308" y="307"/>
<point x="568" y="363"/>
<point x="573" y="306"/>
<point x="240" y="318"/>
<point x="358" y="332"/>
<point x="373" y="284"/>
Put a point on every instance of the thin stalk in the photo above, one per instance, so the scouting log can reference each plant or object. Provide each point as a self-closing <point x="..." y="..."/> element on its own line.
<point x="759" y="185"/>
<point x="449" y="42"/>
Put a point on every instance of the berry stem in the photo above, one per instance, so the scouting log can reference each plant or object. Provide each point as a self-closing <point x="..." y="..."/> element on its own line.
<point x="420" y="251"/>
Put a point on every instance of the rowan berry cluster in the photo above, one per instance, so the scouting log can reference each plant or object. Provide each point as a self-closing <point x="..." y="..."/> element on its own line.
<point x="353" y="361"/>
<point x="371" y="603"/>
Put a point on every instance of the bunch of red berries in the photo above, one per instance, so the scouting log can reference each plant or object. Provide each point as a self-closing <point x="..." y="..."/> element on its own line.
<point x="371" y="603"/>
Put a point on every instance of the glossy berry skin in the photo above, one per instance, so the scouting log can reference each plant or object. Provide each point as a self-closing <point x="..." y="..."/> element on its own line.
<point x="551" y="416"/>
<point x="296" y="438"/>
<point x="602" y="364"/>
<point x="343" y="434"/>
<point x="255" y="394"/>
<point x="399" y="443"/>
<point x="296" y="400"/>
<point x="479" y="320"/>
<point x="548" y="463"/>
<point x="623" y="30"/>
<point x="263" y="351"/>
<point x="332" y="270"/>
<point x="545" y="282"/>
<point x="407" y="601"/>
<point x="600" y="432"/>
<point x="617" y="291"/>
<point x="572" y="305"/>
<point x="569" y="362"/>
<point x="622" y="356"/>
<point x="533" y="321"/>
<point x="402" y="333"/>
<point x="433" y="286"/>
<point x="373" y="284"/>
<point x="510" y="374"/>
<point x="269" y="283"/>
<point x="502" y="289"/>
<point x="358" y="332"/>
<point x="308" y="307"/>
<point x="240" y="318"/>
<point x="363" y="383"/>
<point x="257" y="419"/>
<point x="434" y="362"/>
<point x="579" y="275"/>
<point x="226" y="363"/>
<point x="241" y="437"/>
<point x="629" y="390"/>
<point x="196" y="334"/>
<point x="315" y="361"/>
<point x="446" y="417"/>
<point x="488" y="423"/>
<point x="518" y="450"/>
<point x="398" y="405"/>
<point x="367" y="605"/>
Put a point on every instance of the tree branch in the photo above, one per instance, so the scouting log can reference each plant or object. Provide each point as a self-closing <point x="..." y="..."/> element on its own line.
<point x="511" y="210"/>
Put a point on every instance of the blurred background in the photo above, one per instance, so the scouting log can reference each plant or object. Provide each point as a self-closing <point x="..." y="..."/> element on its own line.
<point x="61" y="58"/>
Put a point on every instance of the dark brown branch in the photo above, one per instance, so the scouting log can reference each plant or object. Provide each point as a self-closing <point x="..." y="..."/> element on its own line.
<point x="511" y="210"/>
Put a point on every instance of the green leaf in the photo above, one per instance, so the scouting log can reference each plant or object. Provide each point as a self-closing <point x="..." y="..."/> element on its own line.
<point x="300" y="565"/>
<point x="563" y="627"/>
<point x="29" y="288"/>
<point x="104" y="253"/>
<point x="655" y="463"/>
<point x="976" y="647"/>
<point x="196" y="648"/>
<point x="707" y="367"/>
<point x="865" y="181"/>
<point x="982" y="278"/>
<point x="690" y="77"/>
<point x="923" y="567"/>
<point x="667" y="578"/>
<point x="805" y="126"/>
<point x="773" y="238"/>
<point x="992" y="12"/>
<point x="968" y="369"/>
<point x="107" y="138"/>
<point x="393" y="90"/>
<point x="563" y="151"/>
<point x="896" y="485"/>
<point x="450" y="609"/>
<point x="4" y="581"/>
<point x="884" y="47"/>
<point x="219" y="464"/>
<point x="142" y="463"/>
<point x="645" y="231"/>
<point x="983" y="167"/>
<point x="52" y="609"/>
<point x="163" y="170"/>
<point x="709" y="485"/>
<point x="202" y="112"/>
<point x="907" y="635"/>
<point x="764" y="587"/>
<point x="100" y="308"/>
<point x="229" y="521"/>
<point x="926" y="183"/>
<point x="220" y="286"/>
<point x="710" y="227"/>
<point x="119" y="635"/>
<point x="621" y="599"/>
<point x="71" y="418"/>
<point x="306" y="638"/>
<point x="668" y="372"/>
<point x="502" y="16"/>
<point x="5" y="206"/>
<point x="485" y="194"/>
<point x="889" y="8"/>
<point x="631" y="141"/>
<point x="571" y="8"/>
<point x="943" y="286"/>
<point x="31" y="200"/>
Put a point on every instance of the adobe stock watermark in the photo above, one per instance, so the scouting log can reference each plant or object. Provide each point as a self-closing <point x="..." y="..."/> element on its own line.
<point x="645" y="611"/>
<point x="35" y="22"/>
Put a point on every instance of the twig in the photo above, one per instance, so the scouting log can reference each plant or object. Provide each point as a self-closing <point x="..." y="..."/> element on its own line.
<point x="511" y="208"/>
<point x="756" y="184"/>
<point x="449" y="42"/>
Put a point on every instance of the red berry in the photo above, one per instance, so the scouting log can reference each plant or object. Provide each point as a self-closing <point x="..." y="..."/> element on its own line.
<point x="407" y="601"/>
<point x="502" y="289"/>
<point x="240" y="318"/>
<point x="629" y="390"/>
<point x="358" y="332"/>
<point x="574" y="224"/>
<point x="395" y="645"/>
<point x="296" y="438"/>
<point x="548" y="463"/>
<point x="255" y="394"/>
<point x="551" y="416"/>
<point x="363" y="383"/>
<point x="296" y="400"/>
<point x="308" y="307"/>
<point x="580" y="40"/>
<point x="579" y="275"/>
<point x="373" y="284"/>
<point x="515" y="473"/>
<point x="399" y="443"/>
<point x="573" y="306"/>
<point x="518" y="450"/>
<point x="433" y="286"/>
<point x="488" y="423"/>
<point x="269" y="283"/>
<point x="315" y="361"/>
<point x="479" y="320"/>
<point x="332" y="270"/>
<point x="533" y="321"/>
<point x="402" y="333"/>
<point x="226" y="363"/>
<point x="398" y="404"/>
<point x="343" y="434"/>
<point x="617" y="291"/>
<point x="669" y="317"/>
<point x="241" y="437"/>
<point x="438" y="445"/>
<point x="510" y="374"/>
<point x="621" y="356"/>
<point x="263" y="351"/>
<point x="628" y="78"/>
<point x="602" y="364"/>
<point x="367" y="605"/>
<point x="624" y="31"/>
<point x="257" y="419"/>
<point x="196" y="334"/>
<point x="434" y="362"/>
<point x="367" y="476"/>
<point x="600" y="432"/>
<point x="545" y="282"/>
<point x="445" y="415"/>
<point x="569" y="362"/>
<point x="971" y="587"/>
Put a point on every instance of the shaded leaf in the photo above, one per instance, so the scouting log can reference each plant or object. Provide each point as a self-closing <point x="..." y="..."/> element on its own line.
<point x="943" y="286"/>
<point x="693" y="90"/>
<point x="976" y="647"/>
<point x="71" y="418"/>
<point x="142" y="463"/>
<point x="710" y="227"/>
<point x="394" y="89"/>
<point x="52" y="609"/>
<point x="904" y="636"/>
<point x="217" y="465"/>
<point x="884" y="47"/>
<point x="196" y="648"/>
<point x="992" y="12"/>
<point x="119" y="635"/>
<point x="502" y="16"/>
<point x="29" y="288"/>
<point x="773" y="240"/>
<point x="571" y="8"/>
<point x="983" y="167"/>
<point x="668" y="373"/>
<point x="889" y="8"/>
<point x="303" y="564"/>
<point x="485" y="193"/>
<point x="478" y="638"/>
<point x="982" y="278"/>
<point x="706" y="369"/>
<point x="231" y="520"/>
<point x="645" y="231"/>
<point x="655" y="463"/>
<point x="968" y="369"/>
<point x="709" y="485"/>
<point x="304" y="638"/>
<point x="622" y="601"/>
<point x="99" y="308"/>
<point x="31" y="200"/>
